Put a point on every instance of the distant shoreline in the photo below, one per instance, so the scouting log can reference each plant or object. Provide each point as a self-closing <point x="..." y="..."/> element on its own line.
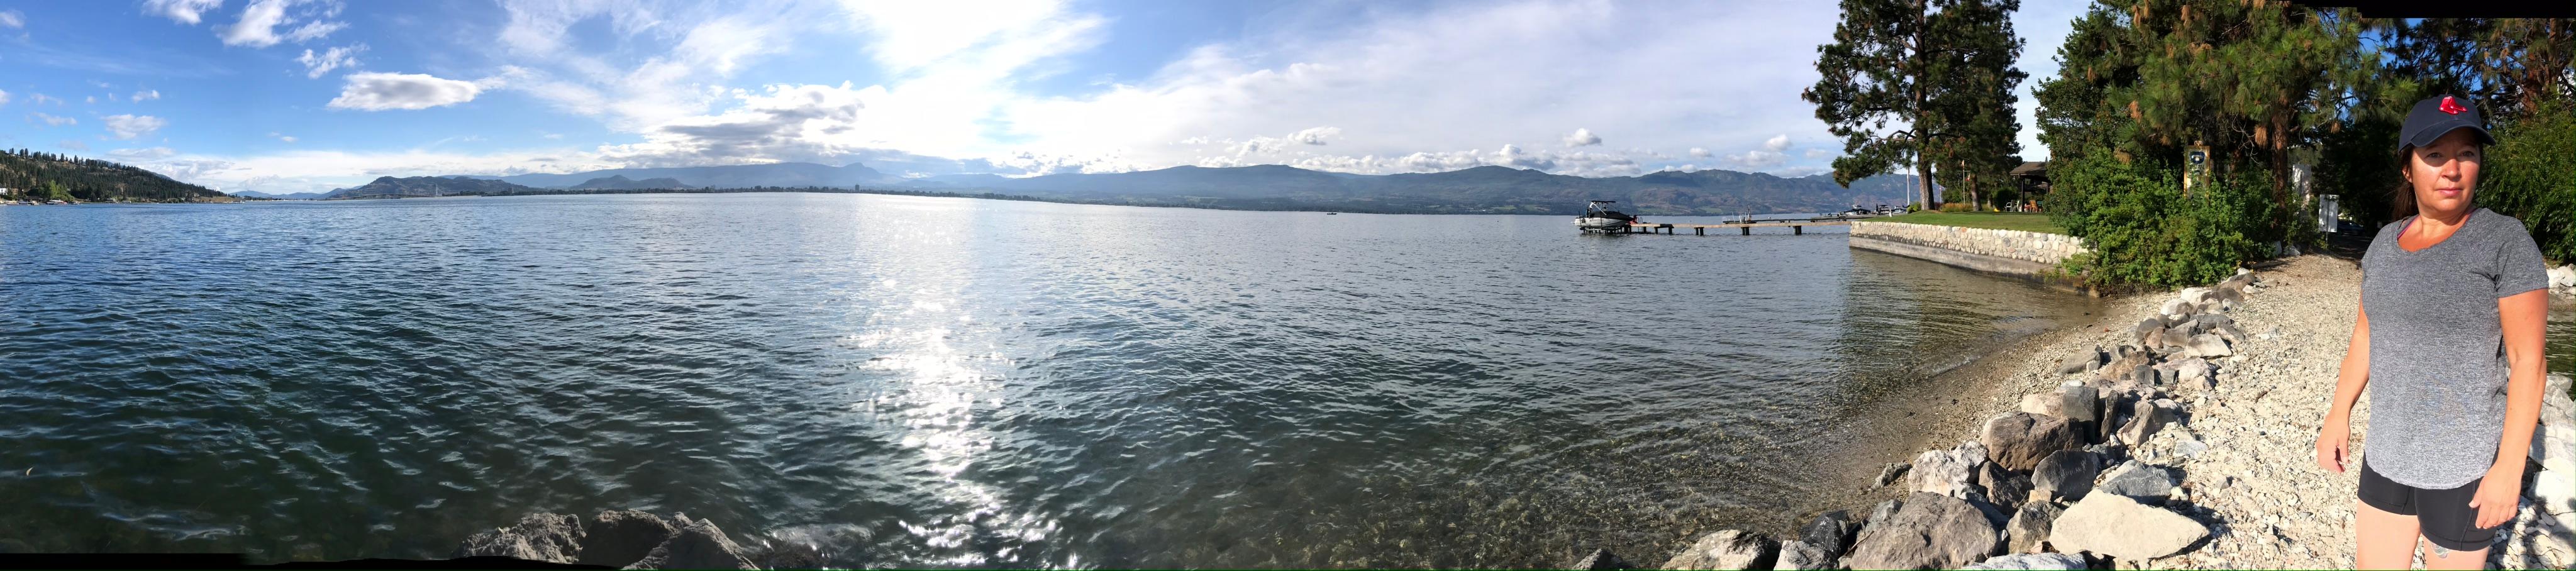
<point x="1245" y="205"/>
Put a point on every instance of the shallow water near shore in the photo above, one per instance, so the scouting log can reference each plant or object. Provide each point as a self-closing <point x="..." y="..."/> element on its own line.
<point x="949" y="382"/>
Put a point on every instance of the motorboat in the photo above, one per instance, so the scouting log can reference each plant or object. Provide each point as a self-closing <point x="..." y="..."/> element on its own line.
<point x="1598" y="218"/>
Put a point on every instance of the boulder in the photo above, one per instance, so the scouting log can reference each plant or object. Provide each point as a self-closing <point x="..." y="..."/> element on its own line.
<point x="1830" y="533"/>
<point x="1800" y="555"/>
<point x="2137" y="480"/>
<point x="2065" y="475"/>
<point x="2173" y="339"/>
<point x="2206" y="345"/>
<point x="2044" y="404"/>
<point x="622" y="537"/>
<point x="2114" y="525"/>
<point x="2082" y="361"/>
<point x="2018" y="440"/>
<point x="696" y="544"/>
<point x="1996" y="516"/>
<point x="2197" y="295"/>
<point x="2148" y="417"/>
<point x="2562" y="277"/>
<point x="2028" y="530"/>
<point x="1927" y="531"/>
<point x="2189" y="370"/>
<point x="2032" y="561"/>
<point x="1729" y="549"/>
<point x="2554" y="445"/>
<point x="2005" y="488"/>
<point x="1600" y="560"/>
<point x="2175" y="309"/>
<point x="2146" y="330"/>
<point x="2077" y="402"/>
<point x="553" y="538"/>
<point x="2122" y="365"/>
<point x="1947" y="472"/>
<point x="1894" y="470"/>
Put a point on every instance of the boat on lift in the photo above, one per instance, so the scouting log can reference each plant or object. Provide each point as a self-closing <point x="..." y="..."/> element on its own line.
<point x="1598" y="218"/>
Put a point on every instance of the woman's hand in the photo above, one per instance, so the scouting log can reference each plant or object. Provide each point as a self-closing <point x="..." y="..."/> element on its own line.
<point x="2334" y="451"/>
<point x="2499" y="495"/>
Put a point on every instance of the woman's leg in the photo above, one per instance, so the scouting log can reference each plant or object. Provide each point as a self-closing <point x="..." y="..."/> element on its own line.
<point x="2435" y="557"/>
<point x="2385" y="540"/>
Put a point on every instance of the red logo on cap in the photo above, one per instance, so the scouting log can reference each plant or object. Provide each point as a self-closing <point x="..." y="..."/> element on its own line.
<point x="2450" y="106"/>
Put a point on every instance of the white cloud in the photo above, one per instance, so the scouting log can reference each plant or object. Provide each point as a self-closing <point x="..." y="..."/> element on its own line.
<point x="1819" y="153"/>
<point x="260" y="20"/>
<point x="148" y="153"/>
<point x="1315" y="136"/>
<point x="41" y="99"/>
<point x="4" y="97"/>
<point x="51" y="121"/>
<point x="181" y="11"/>
<point x="92" y="100"/>
<point x="1582" y="138"/>
<point x="12" y="19"/>
<point x="1776" y="144"/>
<point x="384" y="91"/>
<point x="281" y="137"/>
<point x="315" y="65"/>
<point x="132" y="126"/>
<point x="1700" y="153"/>
<point x="147" y="95"/>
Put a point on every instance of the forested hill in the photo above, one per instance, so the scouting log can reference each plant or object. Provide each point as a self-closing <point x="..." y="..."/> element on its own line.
<point x="37" y="174"/>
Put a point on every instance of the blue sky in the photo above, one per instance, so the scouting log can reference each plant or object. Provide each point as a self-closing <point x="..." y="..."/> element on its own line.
<point x="302" y="95"/>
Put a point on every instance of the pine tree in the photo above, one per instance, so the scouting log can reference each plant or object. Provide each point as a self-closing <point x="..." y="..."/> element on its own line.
<point x="1928" y="65"/>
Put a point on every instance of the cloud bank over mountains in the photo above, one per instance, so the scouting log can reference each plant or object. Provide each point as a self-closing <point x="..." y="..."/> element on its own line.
<point x="1011" y="87"/>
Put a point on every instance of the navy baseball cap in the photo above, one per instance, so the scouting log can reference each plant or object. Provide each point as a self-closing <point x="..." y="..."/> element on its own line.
<point x="2435" y="117"/>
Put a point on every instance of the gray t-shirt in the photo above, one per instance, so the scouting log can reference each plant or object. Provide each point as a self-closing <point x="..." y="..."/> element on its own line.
<point x="2437" y="362"/>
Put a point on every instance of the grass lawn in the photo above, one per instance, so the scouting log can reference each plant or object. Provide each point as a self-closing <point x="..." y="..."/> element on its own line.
<point x="2025" y="221"/>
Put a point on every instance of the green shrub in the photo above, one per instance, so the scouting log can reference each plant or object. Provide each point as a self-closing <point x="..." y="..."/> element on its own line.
<point x="2530" y="174"/>
<point x="2144" y="231"/>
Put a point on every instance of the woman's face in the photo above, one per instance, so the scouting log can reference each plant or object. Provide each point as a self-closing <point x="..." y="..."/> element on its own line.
<point x="2445" y="173"/>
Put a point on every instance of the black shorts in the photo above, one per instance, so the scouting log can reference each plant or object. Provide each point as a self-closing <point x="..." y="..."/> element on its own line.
<point x="2445" y="515"/>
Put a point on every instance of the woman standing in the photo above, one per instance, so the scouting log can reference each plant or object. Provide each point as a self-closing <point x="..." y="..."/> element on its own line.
<point x="2449" y="341"/>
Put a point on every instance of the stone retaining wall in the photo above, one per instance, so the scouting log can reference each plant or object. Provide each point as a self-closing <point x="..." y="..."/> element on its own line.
<point x="2000" y="251"/>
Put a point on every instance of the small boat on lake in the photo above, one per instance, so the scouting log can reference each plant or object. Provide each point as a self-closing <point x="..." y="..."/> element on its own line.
<point x="1598" y="218"/>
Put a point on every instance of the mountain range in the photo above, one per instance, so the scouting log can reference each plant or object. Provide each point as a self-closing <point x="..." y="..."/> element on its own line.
<point x="1488" y="189"/>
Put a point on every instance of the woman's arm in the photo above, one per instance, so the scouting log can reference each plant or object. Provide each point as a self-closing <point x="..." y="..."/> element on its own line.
<point x="2526" y="320"/>
<point x="2333" y="453"/>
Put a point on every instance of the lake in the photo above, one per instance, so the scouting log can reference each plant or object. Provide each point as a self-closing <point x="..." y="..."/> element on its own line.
<point x="910" y="381"/>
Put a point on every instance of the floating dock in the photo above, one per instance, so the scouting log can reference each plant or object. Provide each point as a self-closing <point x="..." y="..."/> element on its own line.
<point x="1744" y="228"/>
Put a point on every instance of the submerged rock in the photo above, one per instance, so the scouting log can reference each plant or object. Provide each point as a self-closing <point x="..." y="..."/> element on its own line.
<point x="1830" y="533"/>
<point x="1600" y="560"/>
<point x="1729" y="549"/>
<point x="554" y="538"/>
<point x="1928" y="530"/>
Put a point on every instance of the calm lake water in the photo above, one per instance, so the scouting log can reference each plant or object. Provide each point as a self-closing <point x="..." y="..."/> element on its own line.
<point x="949" y="382"/>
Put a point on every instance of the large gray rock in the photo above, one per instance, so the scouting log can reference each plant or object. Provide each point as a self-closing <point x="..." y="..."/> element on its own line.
<point x="1800" y="555"/>
<point x="697" y="545"/>
<point x="2028" y="530"/>
<point x="2137" y="481"/>
<point x="1600" y="560"/>
<point x="2146" y="332"/>
<point x="1928" y="531"/>
<point x="2005" y="488"/>
<point x="2114" y="525"/>
<point x="1885" y="510"/>
<point x="2206" y="345"/>
<point x="1947" y="472"/>
<point x="554" y="538"/>
<point x="2148" y="417"/>
<point x="2056" y="561"/>
<point x="2066" y="475"/>
<point x="1830" y="533"/>
<point x="2081" y="361"/>
<point x="2017" y="440"/>
<point x="1729" y="549"/>
<point x="2174" y="339"/>
<point x="2044" y="404"/>
<point x="2080" y="403"/>
<point x="623" y="537"/>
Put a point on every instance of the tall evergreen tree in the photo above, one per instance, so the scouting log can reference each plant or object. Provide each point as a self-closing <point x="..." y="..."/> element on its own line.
<point x="1927" y="66"/>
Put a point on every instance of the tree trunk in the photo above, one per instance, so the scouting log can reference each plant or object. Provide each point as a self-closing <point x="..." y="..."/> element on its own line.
<point x="1922" y="93"/>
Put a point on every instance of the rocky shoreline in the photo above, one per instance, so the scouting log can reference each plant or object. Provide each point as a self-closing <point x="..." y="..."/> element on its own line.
<point x="2176" y="433"/>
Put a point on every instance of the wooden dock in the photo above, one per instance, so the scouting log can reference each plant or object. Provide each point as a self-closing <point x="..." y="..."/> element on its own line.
<point x="1745" y="228"/>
